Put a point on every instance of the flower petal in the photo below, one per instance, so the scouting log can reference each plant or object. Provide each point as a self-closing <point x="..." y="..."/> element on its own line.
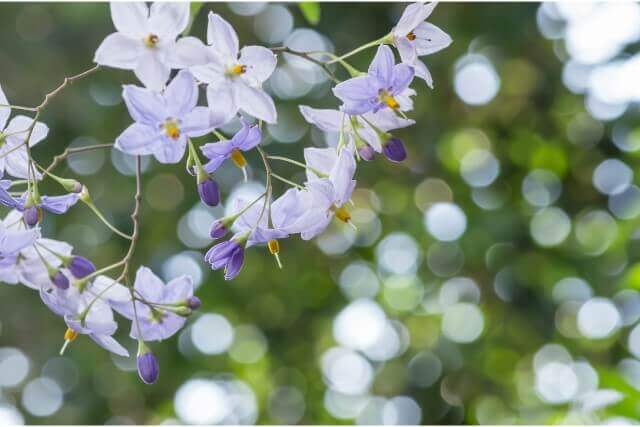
<point x="178" y="290"/>
<point x="325" y="119"/>
<point x="187" y="52"/>
<point x="357" y="89"/>
<point x="413" y="15"/>
<point x="430" y="39"/>
<point x="169" y="19"/>
<point x="181" y="96"/>
<point x="19" y="126"/>
<point x="255" y="102"/>
<point x="222" y="103"/>
<point x="212" y="72"/>
<point x="5" y="112"/>
<point x="321" y="159"/>
<point x="148" y="285"/>
<point x="145" y="106"/>
<point x="59" y="204"/>
<point x="342" y="177"/>
<point x="407" y="50"/>
<point x="110" y="344"/>
<point x="152" y="72"/>
<point x="138" y="139"/>
<point x="222" y="36"/>
<point x="130" y="18"/>
<point x="422" y="71"/>
<point x="402" y="77"/>
<point x="260" y="63"/>
<point x="381" y="67"/>
<point x="118" y="50"/>
<point x="197" y="122"/>
<point x="170" y="151"/>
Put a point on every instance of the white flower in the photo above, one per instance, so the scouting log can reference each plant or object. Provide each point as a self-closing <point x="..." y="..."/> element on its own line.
<point x="235" y="76"/>
<point x="413" y="38"/>
<point x="146" y="41"/>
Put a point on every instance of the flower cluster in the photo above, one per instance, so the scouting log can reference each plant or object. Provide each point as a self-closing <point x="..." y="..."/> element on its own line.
<point x="167" y="122"/>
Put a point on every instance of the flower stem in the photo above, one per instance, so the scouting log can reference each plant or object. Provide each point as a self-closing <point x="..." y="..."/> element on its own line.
<point x="359" y="49"/>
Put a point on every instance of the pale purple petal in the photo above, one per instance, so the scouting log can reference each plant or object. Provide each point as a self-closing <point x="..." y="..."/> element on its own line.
<point x="234" y="265"/>
<point x="188" y="52"/>
<point x="181" y="95"/>
<point x="130" y="18"/>
<point x="402" y="77"/>
<point x="211" y="72"/>
<point x="321" y="159"/>
<point x="407" y="50"/>
<point x="148" y="285"/>
<point x="17" y="161"/>
<point x="197" y="122"/>
<point x="139" y="139"/>
<point x="325" y="119"/>
<point x="381" y="67"/>
<point x="5" y="112"/>
<point x="118" y="50"/>
<point x="13" y="241"/>
<point x="169" y="19"/>
<point x="412" y="16"/>
<point x="342" y="177"/>
<point x="314" y="224"/>
<point x="7" y="200"/>
<point x="254" y="102"/>
<point x="152" y="72"/>
<point x="59" y="204"/>
<point x="222" y="36"/>
<point x="19" y="126"/>
<point x="422" y="72"/>
<point x="259" y="62"/>
<point x="221" y="102"/>
<point x="144" y="106"/>
<point x="247" y="138"/>
<point x="288" y="208"/>
<point x="178" y="290"/>
<point x="169" y="150"/>
<point x="110" y="344"/>
<point x="357" y="89"/>
<point x="430" y="39"/>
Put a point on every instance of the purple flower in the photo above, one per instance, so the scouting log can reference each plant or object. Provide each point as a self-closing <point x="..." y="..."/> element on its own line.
<point x="413" y="38"/>
<point x="244" y="140"/>
<point x="209" y="192"/>
<point x="81" y="267"/>
<point x="366" y="152"/>
<point x="220" y="227"/>
<point x="229" y="254"/>
<point x="193" y="302"/>
<point x="148" y="368"/>
<point x="164" y="122"/>
<point x="393" y="150"/>
<point x="379" y="88"/>
<point x="59" y="279"/>
<point x="160" y="308"/>
<point x="235" y="76"/>
<point x="14" y="159"/>
<point x="32" y="209"/>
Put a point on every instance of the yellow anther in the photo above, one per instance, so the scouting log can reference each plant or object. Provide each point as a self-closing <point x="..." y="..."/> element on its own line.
<point x="70" y="335"/>
<point x="274" y="246"/>
<point x="343" y="214"/>
<point x="238" y="158"/>
<point x="411" y="36"/>
<point x="389" y="100"/>
<point x="238" y="69"/>
<point x="171" y="129"/>
<point x="151" y="40"/>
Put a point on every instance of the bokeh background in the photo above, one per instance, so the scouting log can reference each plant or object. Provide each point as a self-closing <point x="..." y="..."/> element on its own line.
<point x="494" y="275"/>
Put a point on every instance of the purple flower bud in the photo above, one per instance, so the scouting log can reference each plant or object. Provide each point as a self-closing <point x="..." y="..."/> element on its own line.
<point x="366" y="152"/>
<point x="81" y="267"/>
<point x="218" y="229"/>
<point x="229" y="254"/>
<point x="32" y="215"/>
<point x="148" y="368"/>
<point x="60" y="280"/>
<point x="193" y="302"/>
<point x="209" y="192"/>
<point x="394" y="150"/>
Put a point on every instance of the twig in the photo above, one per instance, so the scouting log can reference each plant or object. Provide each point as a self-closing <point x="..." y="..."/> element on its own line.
<point x="308" y="57"/>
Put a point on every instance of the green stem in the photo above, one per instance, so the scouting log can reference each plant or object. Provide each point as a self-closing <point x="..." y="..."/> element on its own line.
<point x="360" y="49"/>
<point x="297" y="163"/>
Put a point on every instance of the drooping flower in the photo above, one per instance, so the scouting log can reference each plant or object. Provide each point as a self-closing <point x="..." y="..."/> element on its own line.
<point x="324" y="196"/>
<point x="365" y="133"/>
<point x="161" y="309"/>
<point x="164" y="122"/>
<point x="80" y="266"/>
<point x="379" y="89"/>
<point x="413" y="37"/>
<point x="145" y="41"/>
<point x="147" y="364"/>
<point x="209" y="191"/>
<point x="228" y="254"/>
<point x="245" y="139"/>
<point x="14" y="159"/>
<point x="235" y="76"/>
<point x="32" y="208"/>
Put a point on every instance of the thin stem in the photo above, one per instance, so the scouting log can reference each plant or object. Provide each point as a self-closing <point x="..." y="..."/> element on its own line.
<point x="308" y="57"/>
<point x="70" y="151"/>
<point x="297" y="163"/>
<point x="359" y="49"/>
<point x="106" y="222"/>
<point x="135" y="218"/>
<point x="66" y="82"/>
<point x="286" y="181"/>
<point x="267" y="201"/>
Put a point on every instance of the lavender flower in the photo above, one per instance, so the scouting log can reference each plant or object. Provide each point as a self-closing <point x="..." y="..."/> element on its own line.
<point x="32" y="209"/>
<point x="164" y="122"/>
<point x="209" y="192"/>
<point x="80" y="266"/>
<point x="394" y="150"/>
<point x="245" y="139"/>
<point x="148" y="368"/>
<point x="229" y="254"/>
<point x="379" y="88"/>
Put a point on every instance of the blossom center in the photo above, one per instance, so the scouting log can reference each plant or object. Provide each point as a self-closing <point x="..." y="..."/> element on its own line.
<point x="342" y="214"/>
<point x="171" y="129"/>
<point x="238" y="158"/>
<point x="151" y="40"/>
<point x="388" y="99"/>
<point x="237" y="69"/>
<point x="274" y="246"/>
<point x="411" y="36"/>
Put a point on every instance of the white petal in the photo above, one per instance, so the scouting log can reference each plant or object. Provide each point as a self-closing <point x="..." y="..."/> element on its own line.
<point x="320" y="159"/>
<point x="152" y="72"/>
<point x="181" y="96"/>
<point x="407" y="50"/>
<point x="413" y="15"/>
<point x="130" y="18"/>
<point x="255" y="102"/>
<point x="119" y="51"/>
<point x="430" y="39"/>
<point x="188" y="51"/>
<point x="221" y="102"/>
<point x="260" y="63"/>
<point x="212" y="72"/>
<point x="144" y="105"/>
<point x="222" y="36"/>
<point x="138" y="139"/>
<point x="168" y="19"/>
<point x="422" y="71"/>
<point x="324" y="119"/>
<point x="19" y="125"/>
<point x="5" y="112"/>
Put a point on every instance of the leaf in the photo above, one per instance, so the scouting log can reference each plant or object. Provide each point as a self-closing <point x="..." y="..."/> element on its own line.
<point x="311" y="11"/>
<point x="195" y="8"/>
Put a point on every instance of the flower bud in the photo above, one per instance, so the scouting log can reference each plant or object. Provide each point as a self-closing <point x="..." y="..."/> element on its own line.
<point x="193" y="302"/>
<point x="60" y="280"/>
<point x="81" y="267"/>
<point x="148" y="368"/>
<point x="32" y="215"/>
<point x="218" y="229"/>
<point x="209" y="192"/>
<point x="366" y="152"/>
<point x="394" y="150"/>
<point x="71" y="185"/>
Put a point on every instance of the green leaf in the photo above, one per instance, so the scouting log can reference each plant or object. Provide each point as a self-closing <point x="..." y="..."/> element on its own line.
<point x="195" y="8"/>
<point x="311" y="11"/>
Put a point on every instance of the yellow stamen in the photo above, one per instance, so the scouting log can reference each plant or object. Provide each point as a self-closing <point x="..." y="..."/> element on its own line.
<point x="70" y="335"/>
<point x="343" y="214"/>
<point x="238" y="158"/>
<point x="151" y="40"/>
<point x="274" y="246"/>
<point x="411" y="36"/>
<point x="389" y="100"/>
<point x="171" y="129"/>
<point x="238" y="69"/>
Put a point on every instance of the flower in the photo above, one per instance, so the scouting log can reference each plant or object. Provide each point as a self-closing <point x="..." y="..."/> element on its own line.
<point x="80" y="266"/>
<point x="413" y="38"/>
<point x="14" y="241"/>
<point x="229" y="254"/>
<point x="393" y="150"/>
<point x="31" y="208"/>
<point x="160" y="308"/>
<point x="209" y="191"/>
<point x="148" y="368"/>
<point x="14" y="159"/>
<point x="324" y="196"/>
<point x="145" y="41"/>
<point x="164" y="122"/>
<point x="365" y="132"/>
<point x="379" y="88"/>
<point x="245" y="139"/>
<point x="234" y="76"/>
